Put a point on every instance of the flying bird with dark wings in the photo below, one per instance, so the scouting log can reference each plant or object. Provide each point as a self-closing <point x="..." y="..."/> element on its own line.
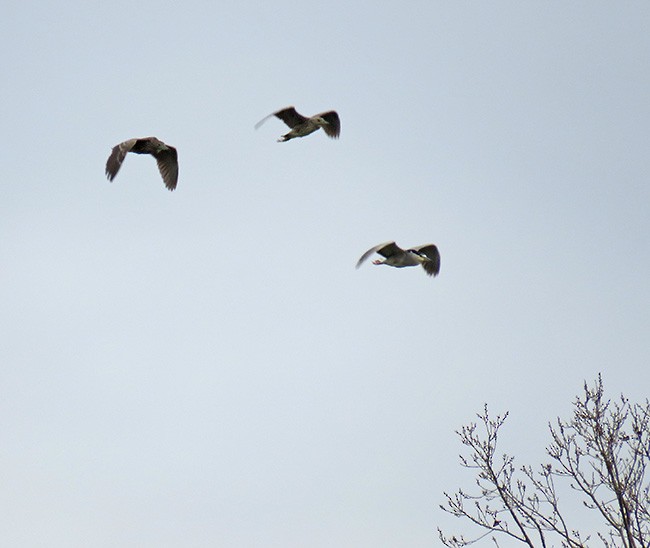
<point x="426" y="255"/>
<point x="301" y="125"/>
<point x="165" y="155"/>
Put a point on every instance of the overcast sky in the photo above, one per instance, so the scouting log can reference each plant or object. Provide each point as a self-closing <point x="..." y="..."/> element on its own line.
<point x="206" y="367"/>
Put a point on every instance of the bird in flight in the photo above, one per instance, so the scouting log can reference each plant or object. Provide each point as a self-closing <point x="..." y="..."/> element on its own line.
<point x="426" y="255"/>
<point x="165" y="155"/>
<point x="301" y="125"/>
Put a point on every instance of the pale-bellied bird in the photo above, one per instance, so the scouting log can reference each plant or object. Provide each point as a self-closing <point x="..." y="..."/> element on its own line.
<point x="301" y="125"/>
<point x="426" y="255"/>
<point x="165" y="156"/>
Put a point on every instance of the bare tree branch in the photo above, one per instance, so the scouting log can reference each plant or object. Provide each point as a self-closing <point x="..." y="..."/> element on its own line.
<point x="603" y="451"/>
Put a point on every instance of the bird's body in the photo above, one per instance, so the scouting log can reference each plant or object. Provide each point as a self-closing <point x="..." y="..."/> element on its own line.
<point x="301" y="125"/>
<point x="165" y="155"/>
<point x="302" y="130"/>
<point x="425" y="255"/>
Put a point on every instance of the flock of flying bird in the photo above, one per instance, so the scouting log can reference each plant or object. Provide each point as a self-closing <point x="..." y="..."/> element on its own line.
<point x="167" y="158"/>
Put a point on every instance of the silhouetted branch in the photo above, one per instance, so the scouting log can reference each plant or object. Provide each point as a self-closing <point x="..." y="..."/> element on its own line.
<point x="604" y="451"/>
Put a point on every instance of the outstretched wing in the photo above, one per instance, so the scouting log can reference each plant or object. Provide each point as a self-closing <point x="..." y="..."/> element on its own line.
<point x="116" y="158"/>
<point x="288" y="115"/>
<point x="333" y="127"/>
<point x="386" y="249"/>
<point x="431" y="255"/>
<point x="168" y="166"/>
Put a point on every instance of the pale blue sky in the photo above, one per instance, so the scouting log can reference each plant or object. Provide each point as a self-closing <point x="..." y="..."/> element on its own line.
<point x="206" y="367"/>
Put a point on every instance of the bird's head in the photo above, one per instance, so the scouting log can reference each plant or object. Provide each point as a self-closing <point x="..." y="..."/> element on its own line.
<point x="320" y="121"/>
<point x="157" y="144"/>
